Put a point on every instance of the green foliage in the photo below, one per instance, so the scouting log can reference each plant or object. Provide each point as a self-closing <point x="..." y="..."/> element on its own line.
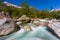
<point x="0" y="5"/>
<point x="29" y="11"/>
<point x="1" y="1"/>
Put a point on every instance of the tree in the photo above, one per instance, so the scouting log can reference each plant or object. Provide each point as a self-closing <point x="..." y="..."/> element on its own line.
<point x="1" y="1"/>
<point x="44" y="13"/>
<point x="25" y="7"/>
<point x="1" y="4"/>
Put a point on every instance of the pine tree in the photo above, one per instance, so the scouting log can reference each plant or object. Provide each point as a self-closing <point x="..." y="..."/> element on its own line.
<point x="25" y="7"/>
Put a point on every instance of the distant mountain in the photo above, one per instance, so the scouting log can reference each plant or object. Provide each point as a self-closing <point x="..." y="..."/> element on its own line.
<point x="55" y="10"/>
<point x="10" y="4"/>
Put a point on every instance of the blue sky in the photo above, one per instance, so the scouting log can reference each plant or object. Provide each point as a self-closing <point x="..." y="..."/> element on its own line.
<point x="39" y="4"/>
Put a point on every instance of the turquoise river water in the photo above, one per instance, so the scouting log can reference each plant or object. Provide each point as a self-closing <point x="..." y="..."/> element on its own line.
<point x="37" y="33"/>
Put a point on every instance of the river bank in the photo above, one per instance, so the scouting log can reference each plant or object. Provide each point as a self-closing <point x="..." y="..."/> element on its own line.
<point x="37" y="33"/>
<point x="25" y="28"/>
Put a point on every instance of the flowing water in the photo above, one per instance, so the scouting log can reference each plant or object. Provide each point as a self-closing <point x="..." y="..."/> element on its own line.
<point x="37" y="33"/>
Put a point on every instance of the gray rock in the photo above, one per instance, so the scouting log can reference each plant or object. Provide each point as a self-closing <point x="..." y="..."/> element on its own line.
<point x="6" y="26"/>
<point x="23" y="19"/>
<point x="55" y="26"/>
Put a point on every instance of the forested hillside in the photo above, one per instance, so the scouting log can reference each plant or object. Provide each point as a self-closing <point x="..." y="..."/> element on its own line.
<point x="28" y="10"/>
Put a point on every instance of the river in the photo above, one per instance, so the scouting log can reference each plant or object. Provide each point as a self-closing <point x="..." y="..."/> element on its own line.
<point x="37" y="33"/>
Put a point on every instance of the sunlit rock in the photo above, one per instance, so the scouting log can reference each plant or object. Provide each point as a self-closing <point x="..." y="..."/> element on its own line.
<point x="24" y="19"/>
<point x="40" y="22"/>
<point x="26" y="28"/>
<point x="18" y="23"/>
<point x="55" y="27"/>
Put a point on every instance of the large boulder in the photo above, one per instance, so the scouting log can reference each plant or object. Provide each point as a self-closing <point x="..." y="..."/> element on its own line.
<point x="6" y="26"/>
<point x="40" y="22"/>
<point x="23" y="19"/>
<point x="54" y="27"/>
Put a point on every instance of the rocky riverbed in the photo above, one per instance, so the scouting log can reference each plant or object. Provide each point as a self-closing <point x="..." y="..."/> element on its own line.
<point x="37" y="33"/>
<point x="19" y="29"/>
<point x="7" y="25"/>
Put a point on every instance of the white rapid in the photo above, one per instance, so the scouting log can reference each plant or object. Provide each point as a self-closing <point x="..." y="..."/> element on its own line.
<point x="37" y="33"/>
